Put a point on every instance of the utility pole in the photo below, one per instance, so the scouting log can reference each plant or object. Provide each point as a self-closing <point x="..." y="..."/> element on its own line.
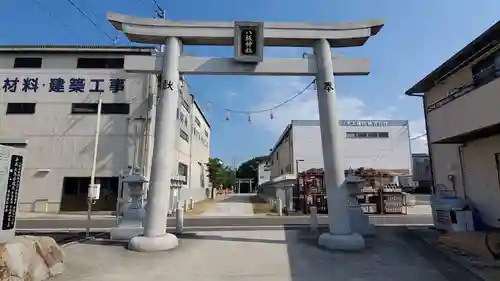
<point x="234" y="176"/>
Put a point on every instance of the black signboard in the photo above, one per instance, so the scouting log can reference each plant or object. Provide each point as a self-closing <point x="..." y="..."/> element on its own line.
<point x="248" y="41"/>
<point x="12" y="193"/>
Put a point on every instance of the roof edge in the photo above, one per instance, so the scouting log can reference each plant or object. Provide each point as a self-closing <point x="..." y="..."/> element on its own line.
<point x="477" y="47"/>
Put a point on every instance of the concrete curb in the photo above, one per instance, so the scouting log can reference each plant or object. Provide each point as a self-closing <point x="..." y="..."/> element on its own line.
<point x="170" y="229"/>
<point x="100" y="217"/>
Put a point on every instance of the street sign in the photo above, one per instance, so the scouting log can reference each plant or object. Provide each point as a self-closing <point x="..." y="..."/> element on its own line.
<point x="248" y="41"/>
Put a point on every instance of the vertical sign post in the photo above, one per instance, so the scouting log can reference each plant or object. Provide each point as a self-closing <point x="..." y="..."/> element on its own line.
<point x="11" y="165"/>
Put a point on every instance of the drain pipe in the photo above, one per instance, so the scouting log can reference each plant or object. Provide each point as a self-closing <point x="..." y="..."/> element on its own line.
<point x="462" y="172"/>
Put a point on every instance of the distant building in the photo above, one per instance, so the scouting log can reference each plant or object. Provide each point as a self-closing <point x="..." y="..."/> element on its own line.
<point x="377" y="144"/>
<point x="461" y="99"/>
<point x="48" y="99"/>
<point x="263" y="171"/>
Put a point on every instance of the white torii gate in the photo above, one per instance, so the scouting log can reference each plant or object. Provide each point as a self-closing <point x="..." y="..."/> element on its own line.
<point x="247" y="61"/>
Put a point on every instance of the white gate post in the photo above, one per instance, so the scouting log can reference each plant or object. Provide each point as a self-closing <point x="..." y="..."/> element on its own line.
<point x="340" y="235"/>
<point x="155" y="237"/>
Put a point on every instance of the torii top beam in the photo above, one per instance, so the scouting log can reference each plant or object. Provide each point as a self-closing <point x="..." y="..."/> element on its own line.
<point x="153" y="31"/>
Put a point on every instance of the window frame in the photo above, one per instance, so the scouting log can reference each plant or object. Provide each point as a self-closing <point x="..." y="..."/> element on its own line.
<point x="12" y="110"/>
<point x="18" y="60"/>
<point x="107" y="108"/>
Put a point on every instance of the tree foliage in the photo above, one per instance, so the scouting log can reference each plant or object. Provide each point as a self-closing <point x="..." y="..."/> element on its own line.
<point x="219" y="174"/>
<point x="249" y="170"/>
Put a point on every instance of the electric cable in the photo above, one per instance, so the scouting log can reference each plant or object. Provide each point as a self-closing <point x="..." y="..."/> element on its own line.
<point x="91" y="21"/>
<point x="417" y="137"/>
<point x="38" y="3"/>
<point x="270" y="109"/>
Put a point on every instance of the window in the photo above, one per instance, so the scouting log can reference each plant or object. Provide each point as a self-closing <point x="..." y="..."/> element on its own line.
<point x="28" y="63"/>
<point x="383" y="135"/>
<point x="184" y="103"/>
<point x="202" y="174"/>
<point x="367" y="135"/>
<point x="197" y="121"/>
<point x="206" y="133"/>
<point x="75" y="189"/>
<point x="182" y="169"/>
<point x="184" y="136"/>
<point x="107" y="108"/>
<point x="486" y="70"/>
<point x="114" y="63"/>
<point x="350" y="135"/>
<point x="20" y="108"/>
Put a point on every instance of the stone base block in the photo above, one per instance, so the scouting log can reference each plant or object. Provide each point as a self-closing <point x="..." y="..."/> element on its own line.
<point x="164" y="242"/>
<point x="350" y="242"/>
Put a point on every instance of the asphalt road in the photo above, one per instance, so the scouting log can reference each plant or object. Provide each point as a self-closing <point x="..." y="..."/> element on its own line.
<point x="204" y="222"/>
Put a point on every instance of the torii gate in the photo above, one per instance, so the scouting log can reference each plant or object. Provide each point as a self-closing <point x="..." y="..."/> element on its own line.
<point x="248" y="39"/>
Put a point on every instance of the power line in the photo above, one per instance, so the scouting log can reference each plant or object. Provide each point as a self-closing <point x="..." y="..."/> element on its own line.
<point x="417" y="137"/>
<point x="56" y="20"/>
<point x="156" y="4"/>
<point x="270" y="109"/>
<point x="92" y="21"/>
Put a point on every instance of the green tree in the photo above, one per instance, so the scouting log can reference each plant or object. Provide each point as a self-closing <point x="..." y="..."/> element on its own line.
<point x="220" y="175"/>
<point x="215" y="171"/>
<point x="249" y="170"/>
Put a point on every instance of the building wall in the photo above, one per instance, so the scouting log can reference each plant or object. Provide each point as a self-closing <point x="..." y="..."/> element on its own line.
<point x="459" y="116"/>
<point x="392" y="153"/>
<point x="482" y="178"/>
<point x="60" y="144"/>
<point x="263" y="172"/>
<point x="281" y="157"/>
<point x="421" y="167"/>
<point x="477" y="168"/>
<point x="470" y="161"/>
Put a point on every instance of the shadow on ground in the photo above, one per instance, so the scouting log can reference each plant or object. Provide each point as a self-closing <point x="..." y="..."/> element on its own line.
<point x="281" y="254"/>
<point x="395" y="253"/>
<point x="65" y="237"/>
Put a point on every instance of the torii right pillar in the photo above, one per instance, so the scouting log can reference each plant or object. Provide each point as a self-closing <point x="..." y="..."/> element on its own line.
<point x="340" y="235"/>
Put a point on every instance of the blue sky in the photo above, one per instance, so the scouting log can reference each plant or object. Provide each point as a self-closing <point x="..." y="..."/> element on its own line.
<point x="417" y="37"/>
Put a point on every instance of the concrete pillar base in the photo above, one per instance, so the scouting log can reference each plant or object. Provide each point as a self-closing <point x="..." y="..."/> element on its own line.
<point x="360" y="222"/>
<point x="164" y="242"/>
<point x="349" y="242"/>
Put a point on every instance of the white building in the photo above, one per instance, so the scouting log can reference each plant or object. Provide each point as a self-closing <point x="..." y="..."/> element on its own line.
<point x="378" y="144"/>
<point x="461" y="99"/>
<point x="263" y="171"/>
<point x="48" y="98"/>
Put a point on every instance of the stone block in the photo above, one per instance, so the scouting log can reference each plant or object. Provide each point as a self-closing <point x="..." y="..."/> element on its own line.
<point x="30" y="258"/>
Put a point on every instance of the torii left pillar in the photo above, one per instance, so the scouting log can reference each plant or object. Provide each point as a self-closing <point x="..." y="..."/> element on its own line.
<point x="155" y="236"/>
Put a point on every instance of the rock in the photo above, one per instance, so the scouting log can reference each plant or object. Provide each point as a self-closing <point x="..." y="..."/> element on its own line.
<point x="30" y="258"/>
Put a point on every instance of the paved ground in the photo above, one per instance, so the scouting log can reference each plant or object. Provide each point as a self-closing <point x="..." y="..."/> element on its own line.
<point x="235" y="205"/>
<point x="267" y="255"/>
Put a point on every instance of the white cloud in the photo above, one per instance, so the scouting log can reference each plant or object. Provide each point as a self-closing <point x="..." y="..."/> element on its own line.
<point x="306" y="107"/>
